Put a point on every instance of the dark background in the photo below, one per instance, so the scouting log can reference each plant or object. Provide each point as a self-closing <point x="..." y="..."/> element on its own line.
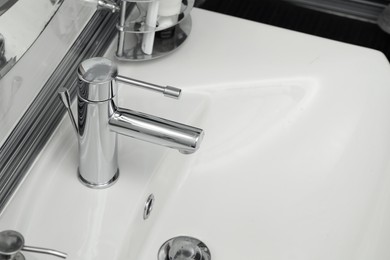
<point x="287" y="15"/>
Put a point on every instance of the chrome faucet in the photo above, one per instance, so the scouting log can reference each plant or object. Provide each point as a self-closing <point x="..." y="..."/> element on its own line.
<point x="100" y="120"/>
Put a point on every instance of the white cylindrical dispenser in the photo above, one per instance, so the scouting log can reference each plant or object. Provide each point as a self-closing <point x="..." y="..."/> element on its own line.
<point x="168" y="12"/>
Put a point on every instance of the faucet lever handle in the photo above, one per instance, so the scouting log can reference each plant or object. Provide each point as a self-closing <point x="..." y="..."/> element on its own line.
<point x="64" y="95"/>
<point x="12" y="242"/>
<point x="46" y="251"/>
<point x="168" y="91"/>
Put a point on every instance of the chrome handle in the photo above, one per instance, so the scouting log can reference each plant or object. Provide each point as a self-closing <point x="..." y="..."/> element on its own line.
<point x="12" y="242"/>
<point x="44" y="251"/>
<point x="101" y="71"/>
<point x="168" y="91"/>
<point x="65" y="98"/>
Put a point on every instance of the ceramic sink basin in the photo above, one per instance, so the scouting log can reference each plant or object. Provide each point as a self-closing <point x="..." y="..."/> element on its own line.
<point x="294" y="163"/>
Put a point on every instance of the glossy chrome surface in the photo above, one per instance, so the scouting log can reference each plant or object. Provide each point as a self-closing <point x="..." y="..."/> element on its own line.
<point x="185" y="139"/>
<point x="100" y="120"/>
<point x="184" y="248"/>
<point x="143" y="34"/>
<point x="148" y="206"/>
<point x="108" y="5"/>
<point x="65" y="98"/>
<point x="12" y="242"/>
<point x="168" y="91"/>
<point x="136" y="31"/>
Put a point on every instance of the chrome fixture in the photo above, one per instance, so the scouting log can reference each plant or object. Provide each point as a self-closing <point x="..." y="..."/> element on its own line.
<point x="184" y="248"/>
<point x="108" y="5"/>
<point x="100" y="120"/>
<point x="12" y="242"/>
<point x="149" y="31"/>
<point x="148" y="206"/>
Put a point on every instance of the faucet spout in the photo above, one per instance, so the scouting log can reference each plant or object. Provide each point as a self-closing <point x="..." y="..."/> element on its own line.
<point x="156" y="130"/>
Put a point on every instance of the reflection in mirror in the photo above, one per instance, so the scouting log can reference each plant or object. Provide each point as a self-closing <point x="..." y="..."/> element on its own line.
<point x="21" y="22"/>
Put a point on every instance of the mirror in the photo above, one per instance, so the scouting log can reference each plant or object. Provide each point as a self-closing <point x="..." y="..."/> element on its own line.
<point x="21" y="22"/>
<point x="51" y="42"/>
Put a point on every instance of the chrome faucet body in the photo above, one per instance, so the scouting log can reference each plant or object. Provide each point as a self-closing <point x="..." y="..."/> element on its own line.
<point x="100" y="120"/>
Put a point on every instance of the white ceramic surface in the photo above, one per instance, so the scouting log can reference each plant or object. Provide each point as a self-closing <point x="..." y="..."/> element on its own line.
<point x="294" y="163"/>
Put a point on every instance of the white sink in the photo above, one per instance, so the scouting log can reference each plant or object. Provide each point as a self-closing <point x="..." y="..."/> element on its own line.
<point x="294" y="163"/>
